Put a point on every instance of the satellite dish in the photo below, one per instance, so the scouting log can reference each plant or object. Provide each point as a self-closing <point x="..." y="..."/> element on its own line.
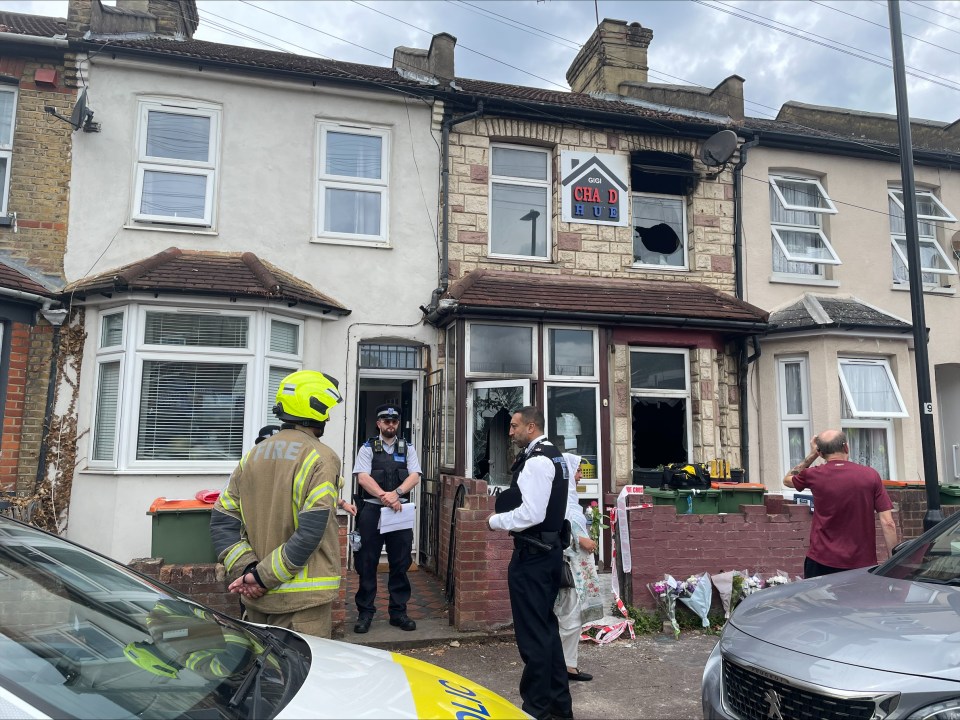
<point x="718" y="148"/>
<point x="81" y="117"/>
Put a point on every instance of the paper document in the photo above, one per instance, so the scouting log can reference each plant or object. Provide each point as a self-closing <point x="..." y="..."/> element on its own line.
<point x="391" y="520"/>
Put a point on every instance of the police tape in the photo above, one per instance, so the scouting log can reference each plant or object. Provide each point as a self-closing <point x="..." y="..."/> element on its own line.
<point x="609" y="628"/>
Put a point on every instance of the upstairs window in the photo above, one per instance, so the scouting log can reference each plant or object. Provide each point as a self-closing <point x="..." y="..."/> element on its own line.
<point x="934" y="262"/>
<point x="800" y="245"/>
<point x="659" y="231"/>
<point x="178" y="150"/>
<point x="519" y="202"/>
<point x="353" y="178"/>
<point x="8" y="113"/>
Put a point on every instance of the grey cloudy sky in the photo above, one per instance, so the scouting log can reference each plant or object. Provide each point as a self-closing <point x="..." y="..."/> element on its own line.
<point x="831" y="52"/>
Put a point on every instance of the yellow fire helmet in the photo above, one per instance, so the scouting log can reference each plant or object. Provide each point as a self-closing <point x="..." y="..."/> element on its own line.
<point x="305" y="398"/>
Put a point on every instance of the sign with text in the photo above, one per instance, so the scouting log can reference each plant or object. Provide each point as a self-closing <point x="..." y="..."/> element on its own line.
<point x="594" y="188"/>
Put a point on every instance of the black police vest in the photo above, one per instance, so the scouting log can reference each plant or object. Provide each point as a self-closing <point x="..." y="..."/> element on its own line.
<point x="388" y="469"/>
<point x="512" y="497"/>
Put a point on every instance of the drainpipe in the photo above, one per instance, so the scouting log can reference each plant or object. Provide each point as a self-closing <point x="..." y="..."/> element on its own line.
<point x="745" y="359"/>
<point x="445" y="222"/>
<point x="55" y="318"/>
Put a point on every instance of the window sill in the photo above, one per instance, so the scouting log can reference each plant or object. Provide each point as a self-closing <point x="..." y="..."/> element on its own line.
<point x="819" y="282"/>
<point x="183" y="230"/>
<point x="656" y="268"/>
<point x="532" y="262"/>
<point x="372" y="244"/>
<point x="904" y="287"/>
<point x="180" y="470"/>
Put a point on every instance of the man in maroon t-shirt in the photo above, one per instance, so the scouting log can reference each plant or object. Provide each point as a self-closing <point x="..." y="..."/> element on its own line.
<point x="845" y="497"/>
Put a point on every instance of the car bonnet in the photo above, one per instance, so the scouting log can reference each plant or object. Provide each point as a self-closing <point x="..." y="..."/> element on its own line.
<point x="348" y="681"/>
<point x="861" y="619"/>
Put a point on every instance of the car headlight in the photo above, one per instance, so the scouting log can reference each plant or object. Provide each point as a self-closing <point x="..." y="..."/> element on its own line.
<point x="947" y="710"/>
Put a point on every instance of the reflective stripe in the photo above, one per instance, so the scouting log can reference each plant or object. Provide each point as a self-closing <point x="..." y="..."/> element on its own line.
<point x="227" y="501"/>
<point x="302" y="583"/>
<point x="297" y="499"/>
<point x="318" y="492"/>
<point x="278" y="566"/>
<point x="237" y="552"/>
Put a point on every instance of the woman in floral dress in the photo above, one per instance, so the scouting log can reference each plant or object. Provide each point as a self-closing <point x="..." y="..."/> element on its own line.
<point x="581" y="603"/>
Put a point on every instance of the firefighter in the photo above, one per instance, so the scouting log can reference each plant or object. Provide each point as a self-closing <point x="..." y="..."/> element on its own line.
<point x="274" y="527"/>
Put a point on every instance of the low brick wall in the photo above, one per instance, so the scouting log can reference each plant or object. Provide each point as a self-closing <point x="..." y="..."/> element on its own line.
<point x="207" y="582"/>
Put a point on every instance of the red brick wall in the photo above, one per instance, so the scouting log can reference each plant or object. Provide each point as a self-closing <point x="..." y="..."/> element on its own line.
<point x="19" y="342"/>
<point x="207" y="582"/>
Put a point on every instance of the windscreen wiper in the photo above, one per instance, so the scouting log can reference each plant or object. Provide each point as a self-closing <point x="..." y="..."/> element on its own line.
<point x="252" y="679"/>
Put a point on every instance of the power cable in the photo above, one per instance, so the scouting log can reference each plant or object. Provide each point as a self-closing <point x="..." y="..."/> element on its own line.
<point x="823" y="42"/>
<point x="917" y="17"/>
<point x="939" y="12"/>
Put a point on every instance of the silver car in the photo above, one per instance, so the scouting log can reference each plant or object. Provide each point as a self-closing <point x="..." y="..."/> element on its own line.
<point x="876" y="643"/>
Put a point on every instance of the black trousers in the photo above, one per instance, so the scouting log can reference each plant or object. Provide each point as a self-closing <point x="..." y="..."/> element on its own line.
<point x="399" y="546"/>
<point x="533" y="579"/>
<point x="812" y="569"/>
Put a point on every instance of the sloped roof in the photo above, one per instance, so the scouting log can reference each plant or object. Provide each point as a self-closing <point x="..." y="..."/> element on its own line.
<point x="524" y="98"/>
<point x="13" y="279"/>
<point x="207" y="273"/>
<point x="613" y="300"/>
<point x="824" y="312"/>
<point x="38" y="25"/>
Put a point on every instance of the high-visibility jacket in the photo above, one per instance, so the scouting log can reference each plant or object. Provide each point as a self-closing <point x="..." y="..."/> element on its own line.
<point x="278" y="511"/>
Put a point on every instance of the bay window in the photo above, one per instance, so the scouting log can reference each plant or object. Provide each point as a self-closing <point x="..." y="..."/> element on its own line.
<point x="870" y="401"/>
<point x="185" y="387"/>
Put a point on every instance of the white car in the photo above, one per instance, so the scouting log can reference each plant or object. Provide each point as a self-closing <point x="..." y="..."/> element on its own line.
<point x="82" y="636"/>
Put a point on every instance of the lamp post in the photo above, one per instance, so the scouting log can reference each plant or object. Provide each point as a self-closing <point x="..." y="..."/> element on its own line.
<point x="927" y="439"/>
<point x="532" y="217"/>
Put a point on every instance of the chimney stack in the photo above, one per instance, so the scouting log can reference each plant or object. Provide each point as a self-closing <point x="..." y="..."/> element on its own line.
<point x="437" y="62"/>
<point x="614" y="54"/>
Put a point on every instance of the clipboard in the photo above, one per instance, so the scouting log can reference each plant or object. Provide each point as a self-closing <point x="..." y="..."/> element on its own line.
<point x="391" y="521"/>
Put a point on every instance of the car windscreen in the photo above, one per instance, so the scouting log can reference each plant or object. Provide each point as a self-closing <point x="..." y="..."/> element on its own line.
<point x="83" y="637"/>
<point x="934" y="557"/>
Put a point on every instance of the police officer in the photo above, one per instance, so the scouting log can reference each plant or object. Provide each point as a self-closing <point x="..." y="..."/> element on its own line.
<point x="275" y="522"/>
<point x="533" y="510"/>
<point x="387" y="469"/>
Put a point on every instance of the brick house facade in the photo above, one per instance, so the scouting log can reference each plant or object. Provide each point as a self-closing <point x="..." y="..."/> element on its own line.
<point x="36" y="72"/>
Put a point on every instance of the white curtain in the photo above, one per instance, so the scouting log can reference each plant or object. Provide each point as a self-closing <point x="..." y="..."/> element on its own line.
<point x="870" y="388"/>
<point x="794" y="195"/>
<point x="868" y="446"/>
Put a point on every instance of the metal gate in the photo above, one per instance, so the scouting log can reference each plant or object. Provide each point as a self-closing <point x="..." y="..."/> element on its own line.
<point x="430" y="465"/>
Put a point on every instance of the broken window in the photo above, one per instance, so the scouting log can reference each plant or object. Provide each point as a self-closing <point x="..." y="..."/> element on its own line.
<point x="660" y="406"/>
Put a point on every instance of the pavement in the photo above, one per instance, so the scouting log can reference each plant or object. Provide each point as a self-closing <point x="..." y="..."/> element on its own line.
<point x="651" y="677"/>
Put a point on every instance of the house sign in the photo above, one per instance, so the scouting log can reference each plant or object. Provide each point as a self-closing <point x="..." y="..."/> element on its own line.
<point x="594" y="188"/>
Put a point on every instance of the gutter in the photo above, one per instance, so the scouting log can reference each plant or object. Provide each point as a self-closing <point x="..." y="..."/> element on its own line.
<point x="20" y="39"/>
<point x="743" y="326"/>
<point x="431" y="309"/>
<point x="28" y="296"/>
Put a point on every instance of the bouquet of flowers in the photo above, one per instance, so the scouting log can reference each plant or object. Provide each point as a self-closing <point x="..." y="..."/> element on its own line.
<point x="595" y="522"/>
<point x="697" y="594"/>
<point x="781" y="578"/>
<point x="666" y="592"/>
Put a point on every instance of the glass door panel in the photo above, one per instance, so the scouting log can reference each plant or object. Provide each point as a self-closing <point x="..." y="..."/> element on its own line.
<point x="490" y="406"/>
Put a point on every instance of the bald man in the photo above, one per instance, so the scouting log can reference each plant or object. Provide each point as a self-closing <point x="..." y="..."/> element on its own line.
<point x="845" y="497"/>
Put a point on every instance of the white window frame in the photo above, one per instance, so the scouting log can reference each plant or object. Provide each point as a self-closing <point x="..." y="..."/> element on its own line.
<point x="816" y="231"/>
<point x="685" y="265"/>
<point x="685" y="394"/>
<point x="533" y="343"/>
<point x="325" y="181"/>
<point x="548" y="352"/>
<point x="291" y="362"/>
<point x="6" y="149"/>
<point x="792" y="421"/>
<point x="863" y="414"/>
<point x="830" y="208"/>
<point x="106" y="356"/>
<point x="522" y="182"/>
<point x="148" y="163"/>
<point x="523" y="383"/>
<point x="133" y="352"/>
<point x="928" y="241"/>
<point x="896" y="194"/>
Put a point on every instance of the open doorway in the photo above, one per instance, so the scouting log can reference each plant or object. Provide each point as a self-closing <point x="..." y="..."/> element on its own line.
<point x="374" y="392"/>
<point x="659" y="431"/>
